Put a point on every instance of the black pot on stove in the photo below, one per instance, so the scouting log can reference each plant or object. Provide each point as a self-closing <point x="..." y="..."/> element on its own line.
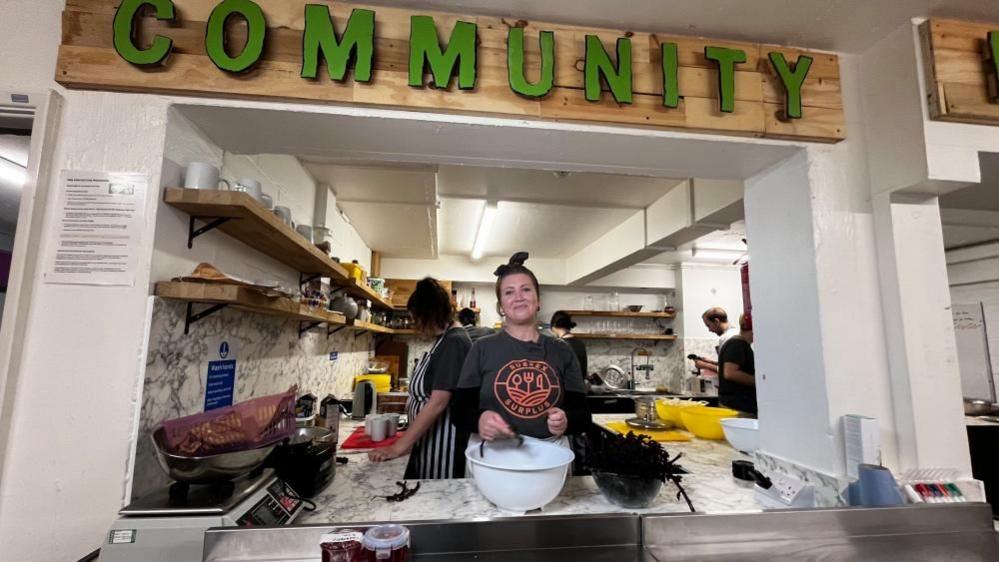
<point x="306" y="460"/>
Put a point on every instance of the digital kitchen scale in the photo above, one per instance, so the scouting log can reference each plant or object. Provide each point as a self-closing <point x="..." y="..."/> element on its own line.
<point x="169" y="524"/>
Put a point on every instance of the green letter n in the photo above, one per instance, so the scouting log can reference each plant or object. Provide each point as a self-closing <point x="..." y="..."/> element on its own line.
<point x="124" y="32"/>
<point x="425" y="48"/>
<point x="598" y="64"/>
<point x="356" y="44"/>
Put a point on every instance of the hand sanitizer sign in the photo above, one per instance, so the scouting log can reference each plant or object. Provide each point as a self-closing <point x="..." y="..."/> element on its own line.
<point x="220" y="379"/>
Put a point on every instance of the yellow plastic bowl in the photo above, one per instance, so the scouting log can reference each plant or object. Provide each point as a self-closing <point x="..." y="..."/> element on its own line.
<point x="669" y="410"/>
<point x="705" y="421"/>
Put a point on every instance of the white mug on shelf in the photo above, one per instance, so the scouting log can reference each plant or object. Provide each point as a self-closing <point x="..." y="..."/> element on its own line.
<point x="250" y="186"/>
<point x="305" y="230"/>
<point x="202" y="175"/>
<point x="283" y="213"/>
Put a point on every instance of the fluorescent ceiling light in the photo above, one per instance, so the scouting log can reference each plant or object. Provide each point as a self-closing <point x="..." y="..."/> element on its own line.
<point x="13" y="172"/>
<point x="485" y="228"/>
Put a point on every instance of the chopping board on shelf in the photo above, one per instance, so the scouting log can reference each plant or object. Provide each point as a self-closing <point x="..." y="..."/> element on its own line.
<point x="661" y="436"/>
<point x="396" y="354"/>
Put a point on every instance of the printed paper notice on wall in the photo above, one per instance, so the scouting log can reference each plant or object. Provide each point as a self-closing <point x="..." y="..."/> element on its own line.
<point x="99" y="222"/>
<point x="220" y="374"/>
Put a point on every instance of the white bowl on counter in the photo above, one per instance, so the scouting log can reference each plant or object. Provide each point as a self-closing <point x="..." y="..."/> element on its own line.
<point x="742" y="433"/>
<point x="522" y="478"/>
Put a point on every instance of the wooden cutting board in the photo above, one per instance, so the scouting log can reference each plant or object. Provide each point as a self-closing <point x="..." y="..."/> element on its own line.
<point x="660" y="436"/>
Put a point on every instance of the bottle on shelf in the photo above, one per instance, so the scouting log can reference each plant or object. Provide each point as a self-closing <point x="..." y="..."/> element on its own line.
<point x="472" y="304"/>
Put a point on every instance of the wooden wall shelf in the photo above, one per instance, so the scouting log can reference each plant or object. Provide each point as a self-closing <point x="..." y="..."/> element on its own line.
<point x="245" y="219"/>
<point x="244" y="298"/>
<point x="639" y="337"/>
<point x="621" y="314"/>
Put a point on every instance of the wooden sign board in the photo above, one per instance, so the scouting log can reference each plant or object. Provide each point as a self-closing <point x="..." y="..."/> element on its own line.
<point x="962" y="70"/>
<point x="751" y="99"/>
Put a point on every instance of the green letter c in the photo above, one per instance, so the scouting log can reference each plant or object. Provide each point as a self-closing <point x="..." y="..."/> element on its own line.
<point x="124" y="32"/>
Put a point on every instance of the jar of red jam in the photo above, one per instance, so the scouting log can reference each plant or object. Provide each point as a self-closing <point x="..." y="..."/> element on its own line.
<point x="342" y="546"/>
<point x="386" y="543"/>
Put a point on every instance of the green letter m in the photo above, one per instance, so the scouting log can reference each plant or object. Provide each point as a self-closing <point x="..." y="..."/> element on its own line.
<point x="424" y="47"/>
<point x="357" y="43"/>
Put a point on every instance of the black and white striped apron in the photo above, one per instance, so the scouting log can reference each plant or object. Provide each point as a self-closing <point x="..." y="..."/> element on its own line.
<point x="432" y="456"/>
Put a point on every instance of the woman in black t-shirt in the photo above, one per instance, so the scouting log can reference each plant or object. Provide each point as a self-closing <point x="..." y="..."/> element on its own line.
<point x="519" y="381"/>
<point x="436" y="446"/>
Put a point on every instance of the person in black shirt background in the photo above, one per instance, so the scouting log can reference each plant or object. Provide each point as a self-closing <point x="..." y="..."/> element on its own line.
<point x="737" y="371"/>
<point x="466" y="317"/>
<point x="562" y="326"/>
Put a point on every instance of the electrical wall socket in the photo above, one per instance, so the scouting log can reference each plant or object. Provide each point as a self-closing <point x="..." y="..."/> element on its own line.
<point x="786" y="491"/>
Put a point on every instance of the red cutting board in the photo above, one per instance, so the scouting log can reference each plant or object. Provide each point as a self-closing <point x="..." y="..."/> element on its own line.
<point x="360" y="440"/>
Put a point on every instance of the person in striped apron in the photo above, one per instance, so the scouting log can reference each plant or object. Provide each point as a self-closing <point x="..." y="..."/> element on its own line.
<point x="436" y="447"/>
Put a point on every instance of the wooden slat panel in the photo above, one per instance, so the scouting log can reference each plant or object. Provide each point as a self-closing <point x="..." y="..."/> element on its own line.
<point x="87" y="60"/>
<point x="956" y="71"/>
<point x="822" y="124"/>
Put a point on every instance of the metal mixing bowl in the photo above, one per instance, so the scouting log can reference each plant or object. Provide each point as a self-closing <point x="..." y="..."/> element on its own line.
<point x="209" y="469"/>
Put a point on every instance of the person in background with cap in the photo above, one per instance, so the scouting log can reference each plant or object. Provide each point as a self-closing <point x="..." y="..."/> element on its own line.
<point x="562" y="326"/>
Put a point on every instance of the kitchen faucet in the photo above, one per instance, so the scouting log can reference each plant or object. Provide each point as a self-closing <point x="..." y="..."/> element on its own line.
<point x="647" y="367"/>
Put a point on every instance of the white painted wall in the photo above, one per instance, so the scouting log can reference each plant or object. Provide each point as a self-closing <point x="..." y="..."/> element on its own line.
<point x="974" y="278"/>
<point x="703" y="287"/>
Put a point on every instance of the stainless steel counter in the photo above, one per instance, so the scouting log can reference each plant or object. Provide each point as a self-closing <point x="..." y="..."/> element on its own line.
<point x="927" y="532"/>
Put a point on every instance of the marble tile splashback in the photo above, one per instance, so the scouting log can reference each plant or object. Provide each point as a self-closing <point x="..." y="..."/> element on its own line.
<point x="271" y="357"/>
<point x="828" y="488"/>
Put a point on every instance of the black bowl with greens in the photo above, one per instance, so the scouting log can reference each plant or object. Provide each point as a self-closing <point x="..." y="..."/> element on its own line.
<point x="630" y="469"/>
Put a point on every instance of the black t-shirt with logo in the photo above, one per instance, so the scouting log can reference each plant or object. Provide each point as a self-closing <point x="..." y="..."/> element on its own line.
<point x="732" y="394"/>
<point x="522" y="380"/>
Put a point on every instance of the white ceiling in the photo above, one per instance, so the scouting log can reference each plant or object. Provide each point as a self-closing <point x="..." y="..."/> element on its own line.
<point x="404" y="212"/>
<point x="838" y="25"/>
<point x="729" y="241"/>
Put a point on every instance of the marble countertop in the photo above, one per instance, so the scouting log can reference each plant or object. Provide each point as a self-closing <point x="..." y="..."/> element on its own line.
<point x="357" y="493"/>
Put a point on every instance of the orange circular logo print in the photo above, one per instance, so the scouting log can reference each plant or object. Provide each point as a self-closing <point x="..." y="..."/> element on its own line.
<point x="527" y="389"/>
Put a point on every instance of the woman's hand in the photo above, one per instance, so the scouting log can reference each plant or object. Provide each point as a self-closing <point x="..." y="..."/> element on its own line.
<point x="557" y="422"/>
<point x="387" y="453"/>
<point x="493" y="426"/>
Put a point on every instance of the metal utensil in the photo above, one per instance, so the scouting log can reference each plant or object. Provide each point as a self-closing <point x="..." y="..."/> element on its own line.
<point x="207" y="469"/>
<point x="482" y="444"/>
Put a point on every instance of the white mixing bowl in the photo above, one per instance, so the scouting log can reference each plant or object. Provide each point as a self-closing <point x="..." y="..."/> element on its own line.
<point x="520" y="478"/>
<point x="742" y="433"/>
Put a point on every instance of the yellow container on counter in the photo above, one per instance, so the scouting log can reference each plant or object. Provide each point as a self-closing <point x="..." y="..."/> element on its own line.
<point x="383" y="382"/>
<point x="705" y="421"/>
<point x="669" y="408"/>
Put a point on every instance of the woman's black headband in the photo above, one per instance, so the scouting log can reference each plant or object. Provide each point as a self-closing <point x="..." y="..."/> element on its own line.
<point x="517" y="260"/>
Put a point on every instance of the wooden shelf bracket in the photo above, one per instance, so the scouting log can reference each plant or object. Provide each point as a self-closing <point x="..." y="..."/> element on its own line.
<point x="193" y="317"/>
<point x="193" y="233"/>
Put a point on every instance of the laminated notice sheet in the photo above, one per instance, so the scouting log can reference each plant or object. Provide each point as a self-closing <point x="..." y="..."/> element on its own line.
<point x="98" y="228"/>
